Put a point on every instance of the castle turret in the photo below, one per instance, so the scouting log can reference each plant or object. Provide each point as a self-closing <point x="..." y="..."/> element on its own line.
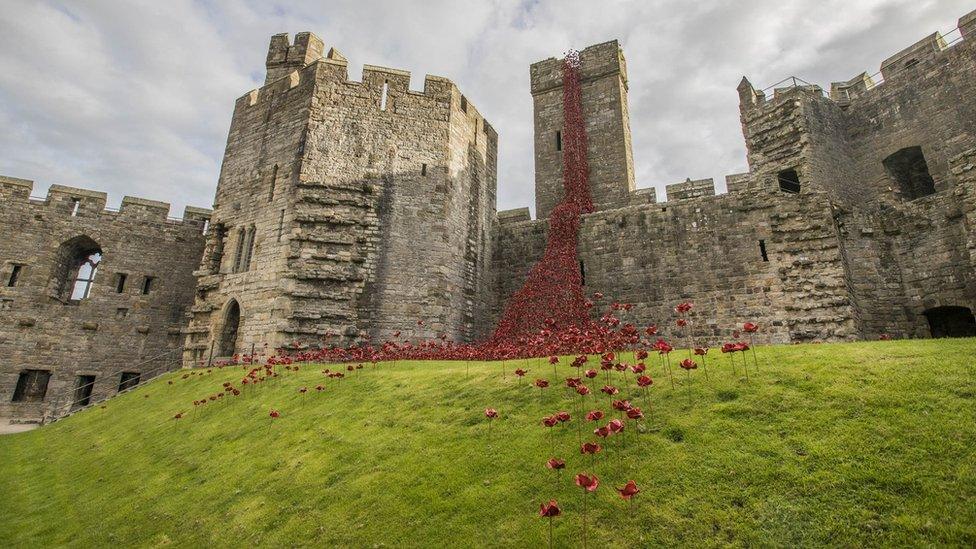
<point x="603" y="75"/>
<point x="284" y="57"/>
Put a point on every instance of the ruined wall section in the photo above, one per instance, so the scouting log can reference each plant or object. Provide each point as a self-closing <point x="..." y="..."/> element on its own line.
<point x="115" y="328"/>
<point x="603" y="81"/>
<point x="707" y="249"/>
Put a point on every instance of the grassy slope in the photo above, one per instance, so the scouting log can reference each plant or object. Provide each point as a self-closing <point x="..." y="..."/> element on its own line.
<point x="867" y="443"/>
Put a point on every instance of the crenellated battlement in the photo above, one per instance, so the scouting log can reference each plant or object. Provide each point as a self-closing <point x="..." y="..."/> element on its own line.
<point x="77" y="202"/>
<point x="909" y="62"/>
<point x="596" y="61"/>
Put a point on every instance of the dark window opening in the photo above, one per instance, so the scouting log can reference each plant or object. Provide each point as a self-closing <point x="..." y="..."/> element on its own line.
<point x="217" y="247"/>
<point x="789" y="181"/>
<point x="582" y="273"/>
<point x="121" y="313"/>
<point x="128" y="380"/>
<point x="559" y="140"/>
<point x="147" y="284"/>
<point x="762" y="250"/>
<point x="423" y="170"/>
<point x="911" y="63"/>
<point x="14" y="275"/>
<point x="248" y="248"/>
<point x="951" y="322"/>
<point x="120" y="283"/>
<point x="281" y="224"/>
<point x="31" y="386"/>
<point x="83" y="390"/>
<point x="464" y="103"/>
<point x="228" y="333"/>
<point x="274" y="178"/>
<point x="910" y="172"/>
<point x="75" y="206"/>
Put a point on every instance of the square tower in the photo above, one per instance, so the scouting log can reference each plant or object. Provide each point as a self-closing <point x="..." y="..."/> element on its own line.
<point x="603" y="75"/>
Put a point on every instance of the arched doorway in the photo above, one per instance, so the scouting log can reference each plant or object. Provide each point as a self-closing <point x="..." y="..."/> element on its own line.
<point x="951" y="322"/>
<point x="232" y="323"/>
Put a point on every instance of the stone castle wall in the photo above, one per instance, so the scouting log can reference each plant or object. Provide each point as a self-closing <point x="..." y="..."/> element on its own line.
<point x="113" y="330"/>
<point x="383" y="217"/>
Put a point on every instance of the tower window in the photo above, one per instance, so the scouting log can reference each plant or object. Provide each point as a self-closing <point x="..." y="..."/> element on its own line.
<point x="423" y="170"/>
<point x="464" y="103"/>
<point x="86" y="276"/>
<point x="14" y="275"/>
<point x="147" y="285"/>
<point x="31" y="386"/>
<point x="762" y="250"/>
<point x="910" y="172"/>
<point x="281" y="224"/>
<point x="120" y="283"/>
<point x="75" y="206"/>
<point x="83" y="390"/>
<point x="386" y="88"/>
<point x="559" y="140"/>
<point x="789" y="181"/>
<point x="582" y="274"/>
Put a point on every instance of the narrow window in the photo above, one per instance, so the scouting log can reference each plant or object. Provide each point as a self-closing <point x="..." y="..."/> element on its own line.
<point x="281" y="224"/>
<point x="789" y="181"/>
<point x="206" y="226"/>
<point x="910" y="172"/>
<point x="128" y="380"/>
<point x="83" y="390"/>
<point x="423" y="170"/>
<point x="75" y="206"/>
<point x="248" y="249"/>
<point x="147" y="285"/>
<point x="582" y="273"/>
<point x="31" y="386"/>
<point x="762" y="250"/>
<point x="464" y="103"/>
<point x="559" y="140"/>
<point x="14" y="275"/>
<point x="274" y="177"/>
<point x="86" y="277"/>
<point x="239" y="256"/>
<point x="120" y="283"/>
<point x="386" y="88"/>
<point x="301" y="143"/>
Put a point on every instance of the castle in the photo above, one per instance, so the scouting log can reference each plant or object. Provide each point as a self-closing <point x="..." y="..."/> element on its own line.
<point x="350" y="209"/>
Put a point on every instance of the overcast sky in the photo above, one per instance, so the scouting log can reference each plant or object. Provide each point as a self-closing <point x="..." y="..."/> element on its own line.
<point x="135" y="98"/>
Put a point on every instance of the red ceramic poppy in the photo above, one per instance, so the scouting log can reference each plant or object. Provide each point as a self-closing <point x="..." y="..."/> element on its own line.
<point x="621" y="405"/>
<point x="274" y="413"/>
<point x="549" y="421"/>
<point x="701" y="351"/>
<point x="554" y="360"/>
<point x="602" y="432"/>
<point x="615" y="426"/>
<point x="635" y="413"/>
<point x="550" y="509"/>
<point x="491" y="413"/>
<point x="590" y="448"/>
<point x="629" y="490"/>
<point x="641" y="354"/>
<point x="609" y="389"/>
<point x="595" y="415"/>
<point x="520" y="372"/>
<point x="587" y="482"/>
<point x="563" y="417"/>
<point x="688" y="364"/>
<point x="555" y="463"/>
<point x="541" y="383"/>
<point x="749" y="327"/>
<point x="681" y="322"/>
<point x="644" y="381"/>
<point x="591" y="374"/>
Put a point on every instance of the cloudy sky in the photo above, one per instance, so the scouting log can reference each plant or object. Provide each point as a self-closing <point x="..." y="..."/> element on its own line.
<point x="135" y="97"/>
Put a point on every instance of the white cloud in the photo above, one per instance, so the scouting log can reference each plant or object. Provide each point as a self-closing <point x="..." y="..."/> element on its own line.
<point x="135" y="97"/>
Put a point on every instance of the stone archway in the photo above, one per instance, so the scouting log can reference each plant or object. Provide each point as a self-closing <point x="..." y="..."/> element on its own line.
<point x="228" y="332"/>
<point x="951" y="321"/>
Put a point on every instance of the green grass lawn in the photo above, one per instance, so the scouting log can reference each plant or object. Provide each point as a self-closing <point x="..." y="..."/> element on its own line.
<point x="841" y="444"/>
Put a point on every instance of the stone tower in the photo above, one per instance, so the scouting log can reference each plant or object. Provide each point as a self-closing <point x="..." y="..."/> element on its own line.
<point x="603" y="74"/>
<point x="346" y="209"/>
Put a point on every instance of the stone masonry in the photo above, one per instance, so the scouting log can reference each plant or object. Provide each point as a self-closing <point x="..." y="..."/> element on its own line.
<point x="348" y="210"/>
<point x="125" y="326"/>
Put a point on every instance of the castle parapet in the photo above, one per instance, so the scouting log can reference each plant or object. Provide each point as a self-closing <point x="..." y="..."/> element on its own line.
<point x="596" y="61"/>
<point x="691" y="189"/>
<point x="967" y="24"/>
<point x="15" y="189"/>
<point x="738" y="182"/>
<point x="517" y="215"/>
<point x="924" y="49"/>
<point x="143" y="209"/>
